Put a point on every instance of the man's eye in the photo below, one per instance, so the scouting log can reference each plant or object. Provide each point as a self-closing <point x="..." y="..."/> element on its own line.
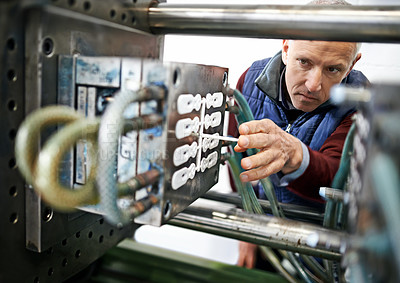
<point x="302" y="61"/>
<point x="333" y="70"/>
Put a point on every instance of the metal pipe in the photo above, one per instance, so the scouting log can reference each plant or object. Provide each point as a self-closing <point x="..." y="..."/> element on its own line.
<point x="340" y="23"/>
<point x="333" y="194"/>
<point x="151" y="92"/>
<point x="143" y="122"/>
<point x="265" y="230"/>
<point x="139" y="181"/>
<point x="291" y="210"/>
<point x="143" y="205"/>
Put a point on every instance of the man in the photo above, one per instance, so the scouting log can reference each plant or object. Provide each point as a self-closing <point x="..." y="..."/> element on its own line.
<point x="300" y="134"/>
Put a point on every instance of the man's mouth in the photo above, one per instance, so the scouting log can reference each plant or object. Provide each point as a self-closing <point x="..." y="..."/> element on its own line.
<point x="307" y="96"/>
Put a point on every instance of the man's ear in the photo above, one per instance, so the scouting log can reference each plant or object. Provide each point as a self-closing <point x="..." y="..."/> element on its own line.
<point x="285" y="51"/>
<point x="358" y="57"/>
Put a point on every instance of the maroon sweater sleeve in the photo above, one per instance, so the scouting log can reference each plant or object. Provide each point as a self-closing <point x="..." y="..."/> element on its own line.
<point x="240" y="82"/>
<point x="323" y="164"/>
<point x="232" y="125"/>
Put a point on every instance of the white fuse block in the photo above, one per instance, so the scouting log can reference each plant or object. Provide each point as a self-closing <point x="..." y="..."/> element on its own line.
<point x="209" y="161"/>
<point x="213" y="120"/>
<point x="214" y="100"/>
<point x="187" y="103"/>
<point x="180" y="177"/>
<point x="186" y="127"/>
<point x="209" y="143"/>
<point x="184" y="152"/>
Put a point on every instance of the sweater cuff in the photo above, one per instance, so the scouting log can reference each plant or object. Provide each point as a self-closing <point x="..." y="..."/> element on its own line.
<point x="284" y="180"/>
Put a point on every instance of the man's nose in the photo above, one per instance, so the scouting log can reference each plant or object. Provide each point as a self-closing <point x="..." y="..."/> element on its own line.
<point x="314" y="80"/>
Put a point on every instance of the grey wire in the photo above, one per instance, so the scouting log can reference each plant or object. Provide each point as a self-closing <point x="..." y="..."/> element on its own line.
<point x="111" y="126"/>
<point x="274" y="260"/>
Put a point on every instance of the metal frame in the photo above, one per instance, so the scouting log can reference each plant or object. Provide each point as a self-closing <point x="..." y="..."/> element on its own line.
<point x="343" y="23"/>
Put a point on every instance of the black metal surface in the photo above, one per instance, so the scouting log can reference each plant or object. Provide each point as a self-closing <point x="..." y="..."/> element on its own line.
<point x="71" y="34"/>
<point x="39" y="245"/>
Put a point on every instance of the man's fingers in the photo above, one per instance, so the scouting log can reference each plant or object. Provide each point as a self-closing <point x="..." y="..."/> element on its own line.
<point x="247" y="255"/>
<point x="259" y="141"/>
<point x="262" y="172"/>
<point x="257" y="126"/>
<point x="239" y="149"/>
<point x="244" y="129"/>
<point x="260" y="159"/>
<point x="251" y="262"/>
<point x="241" y="260"/>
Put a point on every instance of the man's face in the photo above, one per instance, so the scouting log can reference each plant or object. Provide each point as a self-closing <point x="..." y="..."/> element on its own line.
<point x="313" y="67"/>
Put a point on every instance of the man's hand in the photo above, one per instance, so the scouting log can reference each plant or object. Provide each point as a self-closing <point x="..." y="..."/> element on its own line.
<point x="279" y="151"/>
<point x="247" y="255"/>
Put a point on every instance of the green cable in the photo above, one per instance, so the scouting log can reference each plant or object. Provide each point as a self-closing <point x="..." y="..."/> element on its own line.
<point x="243" y="105"/>
<point x="253" y="199"/>
<point x="333" y="210"/>
<point x="271" y="196"/>
<point x="246" y="115"/>
<point x="235" y="167"/>
<point x="330" y="208"/>
<point x="340" y="178"/>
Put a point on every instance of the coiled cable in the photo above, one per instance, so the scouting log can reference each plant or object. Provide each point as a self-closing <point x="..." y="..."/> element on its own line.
<point x="43" y="175"/>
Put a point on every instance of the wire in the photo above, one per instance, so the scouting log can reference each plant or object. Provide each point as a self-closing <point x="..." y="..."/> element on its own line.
<point x="334" y="211"/>
<point x="28" y="136"/>
<point x="235" y="167"/>
<point x="41" y="169"/>
<point x="316" y="267"/>
<point x="111" y="126"/>
<point x="50" y="157"/>
<point x="245" y="115"/>
<point x="274" y="260"/>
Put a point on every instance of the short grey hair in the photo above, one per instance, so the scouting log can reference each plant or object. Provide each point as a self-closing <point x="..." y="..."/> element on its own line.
<point x="336" y="3"/>
<point x="329" y="2"/>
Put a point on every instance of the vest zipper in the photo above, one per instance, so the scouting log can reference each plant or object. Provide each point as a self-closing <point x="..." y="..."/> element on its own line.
<point x="289" y="126"/>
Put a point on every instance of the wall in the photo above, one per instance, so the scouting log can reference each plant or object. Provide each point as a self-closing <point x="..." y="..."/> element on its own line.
<point x="380" y="63"/>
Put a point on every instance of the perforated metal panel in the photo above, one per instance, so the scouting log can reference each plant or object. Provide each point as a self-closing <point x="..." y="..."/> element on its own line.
<point x="38" y="244"/>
